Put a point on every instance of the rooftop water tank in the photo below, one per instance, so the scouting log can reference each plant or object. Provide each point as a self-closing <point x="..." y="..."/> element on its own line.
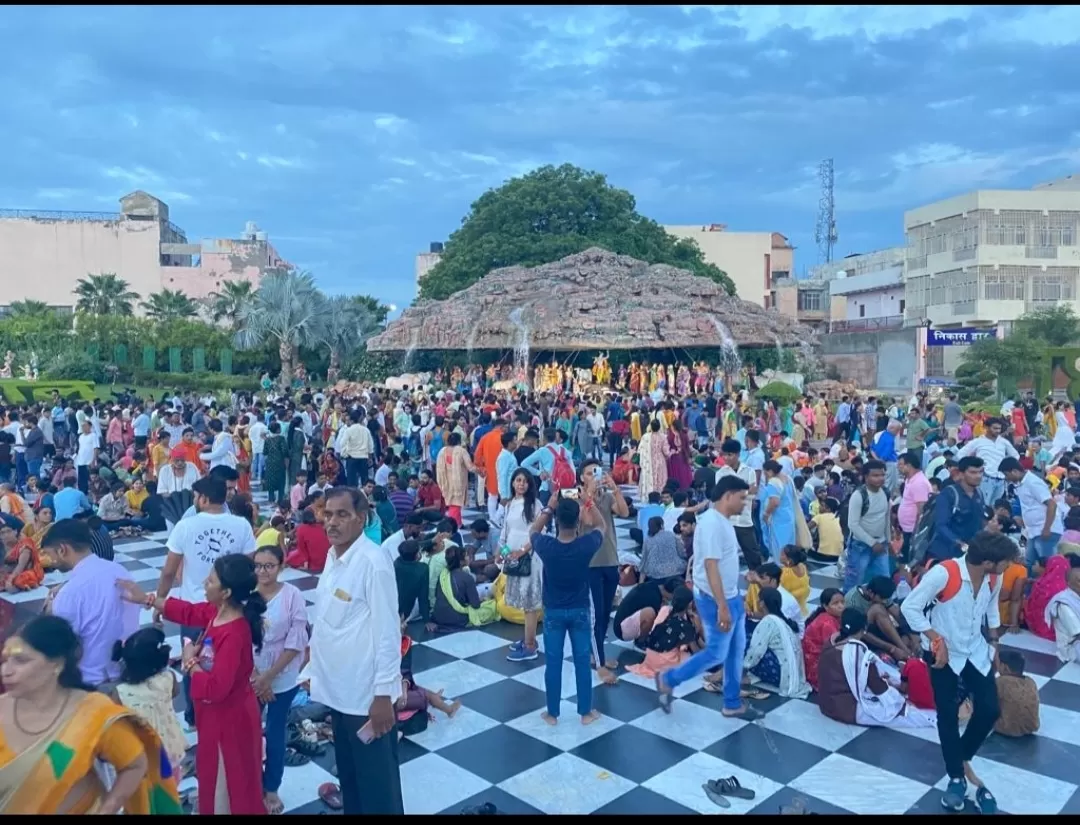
<point x="436" y="247"/>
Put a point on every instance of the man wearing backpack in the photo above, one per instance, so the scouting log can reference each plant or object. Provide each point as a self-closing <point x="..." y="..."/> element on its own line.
<point x="948" y="608"/>
<point x="959" y="514"/>
<point x="868" y="528"/>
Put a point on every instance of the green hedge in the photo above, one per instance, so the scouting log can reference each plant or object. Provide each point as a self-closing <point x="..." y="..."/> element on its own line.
<point x="198" y="381"/>
<point x="779" y="392"/>
<point x="19" y="391"/>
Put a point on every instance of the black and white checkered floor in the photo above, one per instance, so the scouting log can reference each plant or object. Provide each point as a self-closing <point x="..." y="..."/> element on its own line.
<point x="637" y="760"/>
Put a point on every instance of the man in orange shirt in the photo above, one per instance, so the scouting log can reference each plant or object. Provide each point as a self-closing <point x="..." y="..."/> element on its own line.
<point x="487" y="454"/>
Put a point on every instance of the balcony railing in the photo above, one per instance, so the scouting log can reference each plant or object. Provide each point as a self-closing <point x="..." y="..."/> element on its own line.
<point x="964" y="254"/>
<point x="58" y="215"/>
<point x="867" y="324"/>
<point x="1043" y="252"/>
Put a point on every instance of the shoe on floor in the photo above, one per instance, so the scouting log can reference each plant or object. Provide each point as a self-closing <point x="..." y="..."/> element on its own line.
<point x="954" y="796"/>
<point x="522" y="654"/>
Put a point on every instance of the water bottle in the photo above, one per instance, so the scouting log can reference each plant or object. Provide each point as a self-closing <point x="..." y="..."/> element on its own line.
<point x="206" y="655"/>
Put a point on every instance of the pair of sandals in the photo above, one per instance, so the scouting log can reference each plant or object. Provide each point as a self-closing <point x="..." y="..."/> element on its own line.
<point x="745" y="693"/>
<point x="718" y="791"/>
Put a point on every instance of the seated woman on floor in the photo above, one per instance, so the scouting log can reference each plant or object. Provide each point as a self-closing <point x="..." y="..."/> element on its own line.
<point x="854" y="685"/>
<point x="34" y="531"/>
<point x="674" y="635"/>
<point x="794" y="577"/>
<point x="22" y="562"/>
<point x="886" y="631"/>
<point x="1063" y="614"/>
<point x="765" y="576"/>
<point x="457" y="602"/>
<point x="823" y="624"/>
<point x="774" y="658"/>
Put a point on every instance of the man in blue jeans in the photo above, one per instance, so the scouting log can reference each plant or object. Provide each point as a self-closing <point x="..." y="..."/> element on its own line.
<point x="868" y="528"/>
<point x="566" y="557"/>
<point x="719" y="605"/>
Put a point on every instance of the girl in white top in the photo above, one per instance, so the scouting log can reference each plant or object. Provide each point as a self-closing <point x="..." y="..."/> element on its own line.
<point x="523" y="592"/>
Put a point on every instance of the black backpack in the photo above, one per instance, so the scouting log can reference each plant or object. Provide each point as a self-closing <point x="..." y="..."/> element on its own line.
<point x="924" y="530"/>
<point x="843" y="514"/>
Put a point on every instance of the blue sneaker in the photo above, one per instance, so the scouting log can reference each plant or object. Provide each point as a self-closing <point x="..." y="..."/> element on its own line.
<point x="523" y="654"/>
<point x="955" y="795"/>
<point x="517" y="645"/>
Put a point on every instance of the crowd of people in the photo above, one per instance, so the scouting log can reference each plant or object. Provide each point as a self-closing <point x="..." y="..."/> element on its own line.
<point x="946" y="527"/>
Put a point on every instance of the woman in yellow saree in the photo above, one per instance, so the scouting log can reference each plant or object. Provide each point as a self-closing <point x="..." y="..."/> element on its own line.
<point x="53" y="730"/>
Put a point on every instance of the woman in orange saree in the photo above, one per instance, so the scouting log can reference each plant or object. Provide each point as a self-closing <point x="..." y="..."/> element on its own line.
<point x="22" y="562"/>
<point x="53" y="730"/>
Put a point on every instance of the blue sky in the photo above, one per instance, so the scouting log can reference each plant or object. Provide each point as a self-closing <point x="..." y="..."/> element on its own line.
<point x="355" y="136"/>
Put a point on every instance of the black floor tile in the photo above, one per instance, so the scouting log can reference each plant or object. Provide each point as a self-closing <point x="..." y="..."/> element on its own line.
<point x="306" y="583"/>
<point x="899" y="753"/>
<point x="715" y="701"/>
<point x="135" y="565"/>
<point x="765" y="752"/>
<point x="643" y="801"/>
<point x="499" y="753"/>
<point x="1061" y="695"/>
<point x="633" y="753"/>
<point x="422" y="657"/>
<point x="495" y="660"/>
<point x="150" y="553"/>
<point x="624" y="701"/>
<point x="1073" y="805"/>
<point x="409" y="750"/>
<point x="507" y="630"/>
<point x="1038" y="754"/>
<point x="313" y="808"/>
<point x="504" y="803"/>
<point x="790" y="798"/>
<point x="1041" y="664"/>
<point x="506" y="700"/>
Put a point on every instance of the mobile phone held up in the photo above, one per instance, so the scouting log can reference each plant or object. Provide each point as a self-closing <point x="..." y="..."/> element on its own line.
<point x="569" y="492"/>
<point x="597" y="473"/>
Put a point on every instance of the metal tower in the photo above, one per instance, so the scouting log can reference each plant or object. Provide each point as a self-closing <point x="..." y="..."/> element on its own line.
<point x="825" y="232"/>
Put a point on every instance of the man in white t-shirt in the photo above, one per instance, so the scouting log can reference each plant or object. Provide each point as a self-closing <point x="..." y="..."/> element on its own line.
<point x="743" y="522"/>
<point x="257" y="434"/>
<point x="198" y="542"/>
<point x="721" y="608"/>
<point x="86" y="454"/>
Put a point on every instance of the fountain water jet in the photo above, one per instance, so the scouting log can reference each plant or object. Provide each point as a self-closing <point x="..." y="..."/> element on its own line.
<point x="414" y="341"/>
<point x="730" y="358"/>
<point x="521" y="345"/>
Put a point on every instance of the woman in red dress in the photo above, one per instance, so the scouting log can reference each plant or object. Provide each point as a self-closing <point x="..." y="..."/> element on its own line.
<point x="229" y="753"/>
<point x="823" y="624"/>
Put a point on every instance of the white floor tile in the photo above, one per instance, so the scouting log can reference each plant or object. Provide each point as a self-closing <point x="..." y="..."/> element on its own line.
<point x="685" y="689"/>
<point x="567" y="784"/>
<point x="858" y="787"/>
<point x="142" y="544"/>
<point x="1029" y="641"/>
<point x="150" y="574"/>
<point x="1070" y="673"/>
<point x="688" y="724"/>
<point x="291" y="574"/>
<point x="805" y="722"/>
<point x="535" y="678"/>
<point x="154" y="561"/>
<point x="682" y="783"/>
<point x="1060" y="724"/>
<point x="300" y="785"/>
<point x="569" y="733"/>
<point x="34" y="595"/>
<point x="443" y="731"/>
<point x="466" y="643"/>
<point x="1019" y="791"/>
<point x="458" y="678"/>
<point x="430" y="784"/>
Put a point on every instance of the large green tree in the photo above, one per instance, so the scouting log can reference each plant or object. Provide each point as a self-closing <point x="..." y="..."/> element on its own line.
<point x="104" y="294"/>
<point x="29" y="309"/>
<point x="225" y="305"/>
<point x="548" y="214"/>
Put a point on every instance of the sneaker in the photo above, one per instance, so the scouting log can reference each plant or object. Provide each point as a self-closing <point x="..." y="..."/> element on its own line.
<point x="955" y="795"/>
<point x="986" y="801"/>
<point x="518" y="645"/>
<point x="522" y="654"/>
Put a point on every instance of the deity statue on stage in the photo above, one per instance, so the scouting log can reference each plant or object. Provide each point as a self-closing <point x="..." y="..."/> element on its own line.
<point x="654" y="377"/>
<point x="457" y="377"/>
<point x="601" y="370"/>
<point x="701" y="376"/>
<point x="661" y="378"/>
<point x="682" y="380"/>
<point x="622" y="377"/>
<point x="491" y="374"/>
<point x="9" y="359"/>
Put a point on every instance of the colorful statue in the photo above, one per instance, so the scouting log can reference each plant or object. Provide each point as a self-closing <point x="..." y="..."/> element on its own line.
<point x="9" y="359"/>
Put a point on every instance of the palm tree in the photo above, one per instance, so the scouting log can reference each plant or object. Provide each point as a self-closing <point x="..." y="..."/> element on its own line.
<point x="226" y="304"/>
<point x="104" y="294"/>
<point x="170" y="304"/>
<point x="287" y="308"/>
<point x="29" y="309"/>
<point x="345" y="327"/>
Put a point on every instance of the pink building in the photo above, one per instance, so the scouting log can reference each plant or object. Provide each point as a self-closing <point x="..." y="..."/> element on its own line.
<point x="44" y="254"/>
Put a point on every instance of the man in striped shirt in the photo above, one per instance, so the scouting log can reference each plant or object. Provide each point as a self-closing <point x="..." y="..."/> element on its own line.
<point x="991" y="448"/>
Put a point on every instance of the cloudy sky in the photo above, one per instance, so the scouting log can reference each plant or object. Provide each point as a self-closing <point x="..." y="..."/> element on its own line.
<point x="355" y="136"/>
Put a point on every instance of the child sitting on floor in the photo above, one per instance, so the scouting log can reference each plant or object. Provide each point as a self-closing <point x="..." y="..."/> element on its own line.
<point x="1018" y="696"/>
<point x="412" y="707"/>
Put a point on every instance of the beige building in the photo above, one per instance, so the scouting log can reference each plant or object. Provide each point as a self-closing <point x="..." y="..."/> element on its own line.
<point x="987" y="257"/>
<point x="754" y="261"/>
<point x="425" y="261"/>
<point x="43" y="255"/>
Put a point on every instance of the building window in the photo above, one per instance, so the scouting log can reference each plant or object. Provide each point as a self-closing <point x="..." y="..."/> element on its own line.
<point x="780" y="273"/>
<point x="810" y="301"/>
<point x="862" y="310"/>
<point x="902" y="305"/>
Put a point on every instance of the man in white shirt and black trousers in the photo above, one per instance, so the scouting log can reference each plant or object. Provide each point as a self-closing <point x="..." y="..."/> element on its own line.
<point x="355" y="666"/>
<point x="955" y="647"/>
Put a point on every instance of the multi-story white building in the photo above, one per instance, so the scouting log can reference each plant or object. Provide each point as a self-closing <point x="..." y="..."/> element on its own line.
<point x="866" y="291"/>
<point x="987" y="257"/>
<point x="425" y="261"/>
<point x="756" y="262"/>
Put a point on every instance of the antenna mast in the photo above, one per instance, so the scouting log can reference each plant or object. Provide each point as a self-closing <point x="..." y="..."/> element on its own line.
<point x="825" y="232"/>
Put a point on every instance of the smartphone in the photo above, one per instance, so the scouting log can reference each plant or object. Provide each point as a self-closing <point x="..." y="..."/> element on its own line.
<point x="366" y="734"/>
<point x="569" y="492"/>
<point x="598" y="473"/>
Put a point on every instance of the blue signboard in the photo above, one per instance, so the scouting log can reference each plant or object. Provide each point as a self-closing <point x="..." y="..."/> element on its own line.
<point x="957" y="337"/>
<point x="937" y="382"/>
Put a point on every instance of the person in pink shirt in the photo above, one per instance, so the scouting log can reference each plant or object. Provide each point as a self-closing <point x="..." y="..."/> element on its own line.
<point x="916" y="494"/>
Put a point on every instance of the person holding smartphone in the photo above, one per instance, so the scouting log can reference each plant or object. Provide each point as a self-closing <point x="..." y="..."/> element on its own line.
<point x="598" y="487"/>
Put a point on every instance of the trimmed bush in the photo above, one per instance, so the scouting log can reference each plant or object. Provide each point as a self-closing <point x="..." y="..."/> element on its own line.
<point x="779" y="392"/>
<point x="18" y="391"/>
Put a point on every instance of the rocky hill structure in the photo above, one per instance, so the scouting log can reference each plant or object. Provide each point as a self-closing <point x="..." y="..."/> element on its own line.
<point x="593" y="300"/>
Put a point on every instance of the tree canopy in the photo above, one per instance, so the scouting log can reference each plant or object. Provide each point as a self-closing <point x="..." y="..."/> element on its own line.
<point x="548" y="214"/>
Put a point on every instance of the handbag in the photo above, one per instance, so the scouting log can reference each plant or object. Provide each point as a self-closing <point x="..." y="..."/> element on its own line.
<point x="518" y="568"/>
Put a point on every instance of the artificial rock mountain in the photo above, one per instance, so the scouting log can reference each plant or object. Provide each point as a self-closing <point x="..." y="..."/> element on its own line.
<point x="588" y="301"/>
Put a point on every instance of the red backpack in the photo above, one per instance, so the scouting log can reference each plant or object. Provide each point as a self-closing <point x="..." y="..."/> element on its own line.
<point x="563" y="475"/>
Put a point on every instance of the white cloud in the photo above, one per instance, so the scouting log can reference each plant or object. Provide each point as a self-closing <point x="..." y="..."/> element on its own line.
<point x="274" y="162"/>
<point x="390" y="123"/>
<point x="137" y="176"/>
